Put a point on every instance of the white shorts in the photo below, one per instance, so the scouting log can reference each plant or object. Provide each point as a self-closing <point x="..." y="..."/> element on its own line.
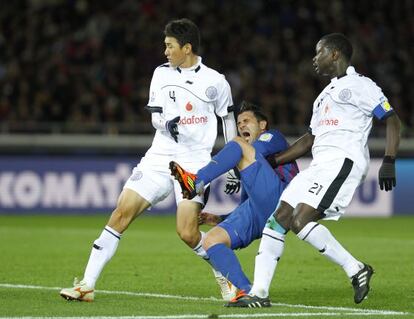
<point x="327" y="187"/>
<point x="152" y="178"/>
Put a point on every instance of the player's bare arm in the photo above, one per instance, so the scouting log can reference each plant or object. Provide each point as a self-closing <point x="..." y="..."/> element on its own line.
<point x="386" y="175"/>
<point x="296" y="150"/>
<point x="392" y="135"/>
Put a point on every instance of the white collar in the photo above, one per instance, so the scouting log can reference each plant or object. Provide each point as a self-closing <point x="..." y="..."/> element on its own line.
<point x="194" y="67"/>
<point x="349" y="70"/>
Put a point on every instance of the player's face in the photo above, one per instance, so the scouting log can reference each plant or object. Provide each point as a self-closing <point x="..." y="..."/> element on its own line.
<point x="175" y="54"/>
<point x="323" y="60"/>
<point x="249" y="127"/>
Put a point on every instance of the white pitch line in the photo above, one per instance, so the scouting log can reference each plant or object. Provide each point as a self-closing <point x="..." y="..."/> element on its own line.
<point x="142" y="294"/>
<point x="204" y="316"/>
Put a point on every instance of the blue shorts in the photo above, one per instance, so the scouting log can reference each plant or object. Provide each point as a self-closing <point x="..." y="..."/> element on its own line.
<point x="263" y="187"/>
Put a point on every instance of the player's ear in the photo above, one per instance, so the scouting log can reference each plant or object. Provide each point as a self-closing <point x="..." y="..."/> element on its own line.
<point x="335" y="54"/>
<point x="188" y="48"/>
<point x="263" y="125"/>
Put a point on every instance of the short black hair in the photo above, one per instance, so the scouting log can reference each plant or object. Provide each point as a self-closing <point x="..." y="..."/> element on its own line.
<point x="340" y="42"/>
<point x="257" y="112"/>
<point x="185" y="31"/>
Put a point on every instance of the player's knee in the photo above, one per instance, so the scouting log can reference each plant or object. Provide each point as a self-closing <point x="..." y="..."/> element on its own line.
<point x="297" y="224"/>
<point x="121" y="218"/>
<point x="210" y="241"/>
<point x="283" y="219"/>
<point x="188" y="237"/>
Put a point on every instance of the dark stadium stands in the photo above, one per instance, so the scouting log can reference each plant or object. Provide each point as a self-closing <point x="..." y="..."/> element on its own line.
<point x="85" y="66"/>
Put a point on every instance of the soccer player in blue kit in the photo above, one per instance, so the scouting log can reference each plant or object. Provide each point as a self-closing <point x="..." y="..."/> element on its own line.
<point x="261" y="189"/>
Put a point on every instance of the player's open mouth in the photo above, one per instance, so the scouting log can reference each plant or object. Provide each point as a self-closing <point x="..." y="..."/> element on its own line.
<point x="246" y="134"/>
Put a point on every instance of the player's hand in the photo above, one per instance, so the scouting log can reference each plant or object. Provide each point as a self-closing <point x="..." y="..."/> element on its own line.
<point x="172" y="127"/>
<point x="232" y="182"/>
<point x="205" y="218"/>
<point x="386" y="174"/>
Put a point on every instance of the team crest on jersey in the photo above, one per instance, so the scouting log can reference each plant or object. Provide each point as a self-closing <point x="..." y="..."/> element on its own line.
<point x="211" y="92"/>
<point x="386" y="106"/>
<point x="265" y="137"/>
<point x="345" y="95"/>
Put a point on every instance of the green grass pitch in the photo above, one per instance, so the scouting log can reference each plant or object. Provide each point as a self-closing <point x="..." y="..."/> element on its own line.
<point x="154" y="275"/>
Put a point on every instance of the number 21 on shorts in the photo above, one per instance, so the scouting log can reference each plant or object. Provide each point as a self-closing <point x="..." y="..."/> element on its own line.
<point x="315" y="189"/>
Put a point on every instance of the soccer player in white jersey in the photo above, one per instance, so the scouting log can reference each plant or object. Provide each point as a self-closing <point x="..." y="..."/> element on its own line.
<point x="340" y="125"/>
<point x="185" y="97"/>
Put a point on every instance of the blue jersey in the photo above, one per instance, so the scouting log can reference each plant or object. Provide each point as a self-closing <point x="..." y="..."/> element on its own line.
<point x="262" y="187"/>
<point x="270" y="143"/>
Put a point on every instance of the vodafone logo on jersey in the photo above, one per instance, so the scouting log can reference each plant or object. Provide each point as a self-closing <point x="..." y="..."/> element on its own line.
<point x="189" y="107"/>
<point x="328" y="122"/>
<point x="188" y="120"/>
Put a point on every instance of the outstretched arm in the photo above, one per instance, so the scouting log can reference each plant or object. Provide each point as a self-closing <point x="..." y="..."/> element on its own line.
<point x="296" y="150"/>
<point x="392" y="135"/>
<point x="386" y="175"/>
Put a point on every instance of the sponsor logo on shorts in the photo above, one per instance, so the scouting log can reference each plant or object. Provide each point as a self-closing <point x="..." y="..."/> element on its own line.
<point x="193" y="120"/>
<point x="136" y="175"/>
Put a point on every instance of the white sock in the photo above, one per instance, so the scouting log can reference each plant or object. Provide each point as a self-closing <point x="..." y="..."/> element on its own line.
<point x="102" y="251"/>
<point x="200" y="251"/>
<point x="270" y="250"/>
<point x="321" y="238"/>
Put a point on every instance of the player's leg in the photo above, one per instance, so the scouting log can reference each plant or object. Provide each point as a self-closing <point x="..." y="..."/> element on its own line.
<point x="339" y="179"/>
<point x="270" y="250"/>
<point x="145" y="187"/>
<point x="187" y="222"/>
<point x="130" y="204"/>
<point x="235" y="153"/>
<point x="304" y="225"/>
<point x="263" y="188"/>
<point x="188" y="231"/>
<point x="222" y="239"/>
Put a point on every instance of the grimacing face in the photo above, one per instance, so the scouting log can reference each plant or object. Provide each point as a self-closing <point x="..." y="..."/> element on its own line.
<point x="323" y="60"/>
<point x="249" y="127"/>
<point x="174" y="53"/>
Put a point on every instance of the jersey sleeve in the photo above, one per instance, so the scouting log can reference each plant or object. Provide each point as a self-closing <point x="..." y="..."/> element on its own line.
<point x="270" y="142"/>
<point x="156" y="98"/>
<point x="224" y="99"/>
<point x="373" y="101"/>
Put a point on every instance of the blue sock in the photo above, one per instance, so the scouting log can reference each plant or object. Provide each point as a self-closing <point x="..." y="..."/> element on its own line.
<point x="222" y="162"/>
<point x="224" y="260"/>
<point x="274" y="225"/>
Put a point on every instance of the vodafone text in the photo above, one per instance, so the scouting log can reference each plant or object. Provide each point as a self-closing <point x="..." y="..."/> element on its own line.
<point x="193" y="120"/>
<point x="328" y="122"/>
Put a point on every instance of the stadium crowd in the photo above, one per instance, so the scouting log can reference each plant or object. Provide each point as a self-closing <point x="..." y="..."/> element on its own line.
<point x="80" y="64"/>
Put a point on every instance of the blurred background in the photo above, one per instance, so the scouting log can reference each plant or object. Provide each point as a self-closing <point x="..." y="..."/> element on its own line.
<point x="85" y="66"/>
<point x="75" y="74"/>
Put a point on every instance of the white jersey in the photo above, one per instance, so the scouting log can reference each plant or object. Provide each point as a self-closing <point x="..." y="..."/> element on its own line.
<point x="196" y="94"/>
<point x="342" y="118"/>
